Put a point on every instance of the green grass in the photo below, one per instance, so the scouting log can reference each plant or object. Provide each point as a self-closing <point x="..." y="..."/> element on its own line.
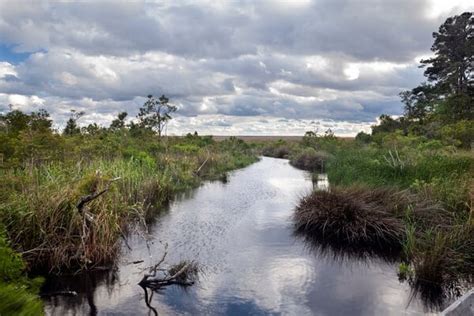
<point x="39" y="201"/>
<point x="437" y="242"/>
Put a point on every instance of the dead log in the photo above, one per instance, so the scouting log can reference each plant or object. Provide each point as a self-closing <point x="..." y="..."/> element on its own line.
<point x="94" y="195"/>
<point x="183" y="274"/>
<point x="203" y="164"/>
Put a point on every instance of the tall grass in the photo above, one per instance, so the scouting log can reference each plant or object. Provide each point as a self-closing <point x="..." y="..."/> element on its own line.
<point x="433" y="208"/>
<point x="353" y="216"/>
<point x="40" y="213"/>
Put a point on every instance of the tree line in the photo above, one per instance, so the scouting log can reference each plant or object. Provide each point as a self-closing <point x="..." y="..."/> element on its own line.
<point x="26" y="136"/>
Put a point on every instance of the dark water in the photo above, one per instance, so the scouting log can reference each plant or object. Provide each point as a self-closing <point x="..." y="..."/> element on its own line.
<point x="240" y="234"/>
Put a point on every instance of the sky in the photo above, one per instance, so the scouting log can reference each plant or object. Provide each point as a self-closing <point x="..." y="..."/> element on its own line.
<point x="231" y="67"/>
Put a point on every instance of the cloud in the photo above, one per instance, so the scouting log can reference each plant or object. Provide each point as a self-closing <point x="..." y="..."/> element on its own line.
<point x="304" y="60"/>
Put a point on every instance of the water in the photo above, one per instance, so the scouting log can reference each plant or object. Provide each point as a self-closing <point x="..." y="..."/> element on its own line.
<point x="240" y="233"/>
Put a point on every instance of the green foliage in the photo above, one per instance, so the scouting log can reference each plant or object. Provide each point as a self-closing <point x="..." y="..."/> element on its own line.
<point x="363" y="138"/>
<point x="155" y="113"/>
<point x="309" y="159"/>
<point x="386" y="125"/>
<point x="15" y="300"/>
<point x="18" y="294"/>
<point x="404" y="271"/>
<point x="460" y="134"/>
<point x="71" y="125"/>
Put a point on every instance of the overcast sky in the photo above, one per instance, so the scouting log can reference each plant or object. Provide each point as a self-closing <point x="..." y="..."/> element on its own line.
<point x="232" y="67"/>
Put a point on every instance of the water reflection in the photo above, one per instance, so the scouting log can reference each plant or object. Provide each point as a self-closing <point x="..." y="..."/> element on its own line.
<point x="80" y="288"/>
<point x="240" y="233"/>
<point x="320" y="181"/>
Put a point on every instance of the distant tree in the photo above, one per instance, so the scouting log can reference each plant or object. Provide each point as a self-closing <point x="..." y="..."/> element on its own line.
<point x="40" y="121"/>
<point x="387" y="125"/>
<point x="91" y="129"/>
<point x="419" y="102"/>
<point x="71" y="125"/>
<point x="363" y="138"/>
<point x="156" y="113"/>
<point x="14" y="122"/>
<point x="119" y="122"/>
<point x="329" y="133"/>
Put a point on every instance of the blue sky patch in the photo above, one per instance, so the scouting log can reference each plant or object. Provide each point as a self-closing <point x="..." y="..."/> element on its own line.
<point x="7" y="54"/>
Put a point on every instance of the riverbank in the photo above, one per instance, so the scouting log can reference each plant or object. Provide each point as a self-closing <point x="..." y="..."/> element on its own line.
<point x="69" y="211"/>
<point x="408" y="193"/>
<point x="240" y="234"/>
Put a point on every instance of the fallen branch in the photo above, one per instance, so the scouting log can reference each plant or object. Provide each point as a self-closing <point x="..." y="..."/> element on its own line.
<point x="88" y="218"/>
<point x="203" y="164"/>
<point x="183" y="273"/>
<point x="94" y="195"/>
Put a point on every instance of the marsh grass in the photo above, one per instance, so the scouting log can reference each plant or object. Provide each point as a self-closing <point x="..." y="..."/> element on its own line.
<point x="353" y="216"/>
<point x="40" y="211"/>
<point x="309" y="159"/>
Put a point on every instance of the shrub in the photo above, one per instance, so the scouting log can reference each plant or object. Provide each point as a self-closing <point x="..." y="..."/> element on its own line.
<point x="18" y="294"/>
<point x="309" y="159"/>
<point x="281" y="151"/>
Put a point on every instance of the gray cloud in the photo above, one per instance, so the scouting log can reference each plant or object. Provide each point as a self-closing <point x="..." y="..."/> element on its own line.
<point x="312" y="60"/>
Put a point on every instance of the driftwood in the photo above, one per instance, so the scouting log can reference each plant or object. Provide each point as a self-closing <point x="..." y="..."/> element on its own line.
<point x="182" y="274"/>
<point x="203" y="164"/>
<point x="94" y="195"/>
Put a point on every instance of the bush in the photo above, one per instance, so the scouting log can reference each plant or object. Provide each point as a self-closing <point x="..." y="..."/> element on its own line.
<point x="18" y="294"/>
<point x="460" y="134"/>
<point x="309" y="159"/>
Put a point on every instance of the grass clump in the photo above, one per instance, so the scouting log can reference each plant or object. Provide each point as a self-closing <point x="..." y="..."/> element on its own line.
<point x="309" y="159"/>
<point x="352" y="216"/>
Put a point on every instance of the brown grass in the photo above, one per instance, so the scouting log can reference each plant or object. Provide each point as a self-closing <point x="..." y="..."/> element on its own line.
<point x="355" y="216"/>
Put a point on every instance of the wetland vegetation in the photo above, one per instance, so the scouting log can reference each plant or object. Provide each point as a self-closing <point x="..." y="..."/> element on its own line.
<point x="409" y="184"/>
<point x="69" y="198"/>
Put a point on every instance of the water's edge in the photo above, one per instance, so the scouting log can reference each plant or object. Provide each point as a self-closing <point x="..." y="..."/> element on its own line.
<point x="240" y="233"/>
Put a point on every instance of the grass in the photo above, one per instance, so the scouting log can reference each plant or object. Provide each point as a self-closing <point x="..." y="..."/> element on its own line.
<point x="39" y="202"/>
<point x="412" y="197"/>
<point x="309" y="159"/>
<point x="360" y="216"/>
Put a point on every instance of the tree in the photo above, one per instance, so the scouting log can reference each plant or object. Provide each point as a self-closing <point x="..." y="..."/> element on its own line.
<point x="387" y="125"/>
<point x="155" y="113"/>
<point x="452" y="68"/>
<point x="419" y="102"/>
<point x="71" y="125"/>
<point x="14" y="122"/>
<point x="40" y="121"/>
<point x="119" y="122"/>
<point x="364" y="138"/>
